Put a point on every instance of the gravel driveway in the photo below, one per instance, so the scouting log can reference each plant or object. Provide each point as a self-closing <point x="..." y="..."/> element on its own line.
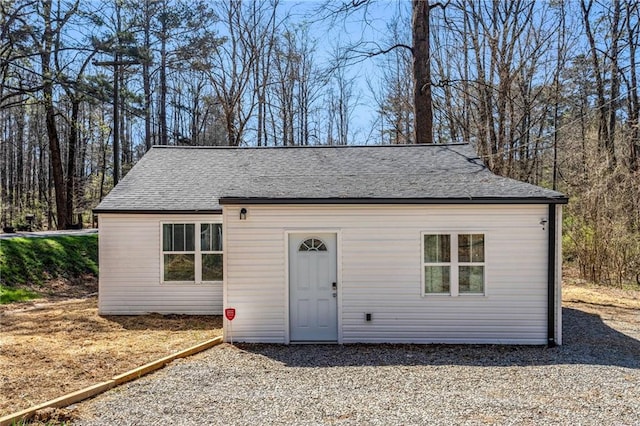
<point x="594" y="379"/>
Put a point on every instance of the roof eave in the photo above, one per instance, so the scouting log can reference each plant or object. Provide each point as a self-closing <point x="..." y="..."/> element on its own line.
<point x="155" y="211"/>
<point x="336" y="200"/>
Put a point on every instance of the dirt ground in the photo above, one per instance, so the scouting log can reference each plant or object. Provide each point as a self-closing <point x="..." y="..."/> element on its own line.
<point x="52" y="347"/>
<point x="49" y="348"/>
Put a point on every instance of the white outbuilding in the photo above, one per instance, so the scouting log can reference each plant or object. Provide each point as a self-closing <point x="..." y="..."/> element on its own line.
<point x="402" y="244"/>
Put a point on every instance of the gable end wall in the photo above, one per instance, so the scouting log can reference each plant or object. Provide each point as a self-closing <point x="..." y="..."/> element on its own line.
<point x="129" y="282"/>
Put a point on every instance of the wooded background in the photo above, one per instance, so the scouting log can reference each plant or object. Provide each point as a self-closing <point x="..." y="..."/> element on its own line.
<point x="547" y="92"/>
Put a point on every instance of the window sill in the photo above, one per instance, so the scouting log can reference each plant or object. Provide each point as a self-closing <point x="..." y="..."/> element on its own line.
<point x="184" y="283"/>
<point x="448" y="295"/>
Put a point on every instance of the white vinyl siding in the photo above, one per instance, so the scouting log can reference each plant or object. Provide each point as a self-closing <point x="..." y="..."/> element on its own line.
<point x="131" y="265"/>
<point x="379" y="272"/>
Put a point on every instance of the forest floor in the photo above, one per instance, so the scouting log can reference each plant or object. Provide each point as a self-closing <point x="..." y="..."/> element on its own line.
<point x="52" y="347"/>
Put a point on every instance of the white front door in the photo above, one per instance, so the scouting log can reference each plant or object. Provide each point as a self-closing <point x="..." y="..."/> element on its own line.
<point x="313" y="295"/>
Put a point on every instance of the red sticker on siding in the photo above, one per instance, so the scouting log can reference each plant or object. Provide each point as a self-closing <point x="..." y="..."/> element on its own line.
<point x="230" y="313"/>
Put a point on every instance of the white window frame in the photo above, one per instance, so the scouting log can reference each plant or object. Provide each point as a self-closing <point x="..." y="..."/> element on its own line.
<point x="198" y="252"/>
<point x="454" y="265"/>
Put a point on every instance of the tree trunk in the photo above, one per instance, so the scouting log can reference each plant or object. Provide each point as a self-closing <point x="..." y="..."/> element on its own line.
<point x="116" y="121"/>
<point x="71" y="158"/>
<point x="601" y="106"/>
<point x="56" y="158"/>
<point x="614" y="89"/>
<point x="50" y="119"/>
<point x="4" y="199"/>
<point x="146" y="76"/>
<point x="634" y="102"/>
<point x="164" y="139"/>
<point x="422" y="72"/>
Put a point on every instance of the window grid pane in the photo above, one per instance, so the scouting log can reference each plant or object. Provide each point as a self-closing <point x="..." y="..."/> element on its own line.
<point x="211" y="237"/>
<point x="216" y="237"/>
<point x="178" y="237"/>
<point x="205" y="237"/>
<point x="477" y="248"/>
<point x="471" y="279"/>
<point x="179" y="267"/>
<point x="189" y="237"/>
<point x="212" y="267"/>
<point x="436" y="279"/>
<point x="464" y="246"/>
<point x="470" y="248"/>
<point x="437" y="248"/>
<point x="167" y="237"/>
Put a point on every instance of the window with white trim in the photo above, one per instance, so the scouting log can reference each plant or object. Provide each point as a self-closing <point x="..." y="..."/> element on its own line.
<point x="453" y="263"/>
<point x="184" y="259"/>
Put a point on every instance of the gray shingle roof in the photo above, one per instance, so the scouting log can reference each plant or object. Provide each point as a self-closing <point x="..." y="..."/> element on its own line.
<point x="201" y="179"/>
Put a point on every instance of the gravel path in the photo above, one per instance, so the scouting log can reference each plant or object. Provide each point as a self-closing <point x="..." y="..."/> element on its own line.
<point x="594" y="379"/>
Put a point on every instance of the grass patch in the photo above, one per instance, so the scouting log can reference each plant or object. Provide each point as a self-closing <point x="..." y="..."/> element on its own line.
<point x="10" y="295"/>
<point x="33" y="261"/>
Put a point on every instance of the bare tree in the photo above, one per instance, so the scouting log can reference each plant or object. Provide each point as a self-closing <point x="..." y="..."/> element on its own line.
<point x="603" y="106"/>
<point x="632" y="20"/>
<point x="265" y="24"/>
<point x="230" y="67"/>
<point x="393" y="92"/>
<point x="421" y="53"/>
